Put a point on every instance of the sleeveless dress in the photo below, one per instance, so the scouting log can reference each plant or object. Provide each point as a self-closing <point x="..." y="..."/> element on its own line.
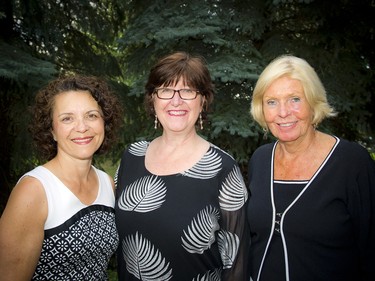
<point x="79" y="239"/>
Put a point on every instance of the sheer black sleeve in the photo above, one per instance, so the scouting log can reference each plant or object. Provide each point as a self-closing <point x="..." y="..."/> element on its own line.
<point x="234" y="238"/>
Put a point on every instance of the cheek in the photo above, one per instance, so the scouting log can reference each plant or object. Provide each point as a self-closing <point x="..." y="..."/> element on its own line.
<point x="60" y="132"/>
<point x="300" y="107"/>
<point x="54" y="130"/>
<point x="269" y="114"/>
<point x="158" y="105"/>
<point x="99" y="126"/>
<point x="55" y="126"/>
<point x="295" y="107"/>
<point x="301" y="111"/>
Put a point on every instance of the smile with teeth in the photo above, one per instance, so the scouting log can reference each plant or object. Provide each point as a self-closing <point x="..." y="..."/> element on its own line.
<point x="286" y="124"/>
<point x="82" y="140"/>
<point x="177" y="112"/>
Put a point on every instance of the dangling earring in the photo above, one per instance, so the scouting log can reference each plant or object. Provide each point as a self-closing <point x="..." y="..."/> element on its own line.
<point x="265" y="132"/>
<point x="156" y="122"/>
<point x="200" y="120"/>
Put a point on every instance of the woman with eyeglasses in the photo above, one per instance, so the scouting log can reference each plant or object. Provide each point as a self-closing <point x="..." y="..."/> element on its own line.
<point x="180" y="200"/>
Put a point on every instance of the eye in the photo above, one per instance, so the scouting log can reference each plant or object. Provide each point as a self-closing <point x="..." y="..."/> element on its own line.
<point x="186" y="91"/>
<point x="67" y="119"/>
<point x="271" y="102"/>
<point x="92" y="116"/>
<point x="295" y="99"/>
<point x="166" y="90"/>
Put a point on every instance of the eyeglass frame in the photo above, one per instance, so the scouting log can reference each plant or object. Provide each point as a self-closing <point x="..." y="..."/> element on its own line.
<point x="174" y="92"/>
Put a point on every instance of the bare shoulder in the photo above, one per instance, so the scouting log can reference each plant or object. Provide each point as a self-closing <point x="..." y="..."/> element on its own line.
<point x="27" y="200"/>
<point x="22" y="229"/>
<point x="29" y="190"/>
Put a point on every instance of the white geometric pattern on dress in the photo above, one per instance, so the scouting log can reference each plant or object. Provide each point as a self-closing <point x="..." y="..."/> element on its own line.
<point x="82" y="251"/>
<point x="144" y="195"/>
<point x="143" y="260"/>
<point x="201" y="232"/>
<point x="233" y="192"/>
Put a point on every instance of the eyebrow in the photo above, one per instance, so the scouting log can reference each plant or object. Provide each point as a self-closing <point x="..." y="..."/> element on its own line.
<point x="90" y="111"/>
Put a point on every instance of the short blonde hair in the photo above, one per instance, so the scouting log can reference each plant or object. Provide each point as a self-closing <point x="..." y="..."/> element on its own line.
<point x="295" y="68"/>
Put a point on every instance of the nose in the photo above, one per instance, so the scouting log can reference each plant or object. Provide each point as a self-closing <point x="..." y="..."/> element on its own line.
<point x="81" y="125"/>
<point x="176" y="99"/>
<point x="284" y="109"/>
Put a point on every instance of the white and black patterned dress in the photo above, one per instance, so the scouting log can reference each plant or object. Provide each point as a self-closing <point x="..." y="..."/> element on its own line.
<point x="78" y="239"/>
<point x="185" y="226"/>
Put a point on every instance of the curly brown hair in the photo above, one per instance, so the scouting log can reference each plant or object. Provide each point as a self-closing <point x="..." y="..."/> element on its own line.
<point x="42" y="111"/>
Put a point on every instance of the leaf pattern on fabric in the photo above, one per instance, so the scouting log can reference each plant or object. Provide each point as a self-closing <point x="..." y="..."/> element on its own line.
<point x="214" y="275"/>
<point x="139" y="148"/>
<point x="233" y="192"/>
<point x="228" y="247"/>
<point x="115" y="177"/>
<point x="144" y="195"/>
<point x="207" y="167"/>
<point x="201" y="232"/>
<point x="143" y="260"/>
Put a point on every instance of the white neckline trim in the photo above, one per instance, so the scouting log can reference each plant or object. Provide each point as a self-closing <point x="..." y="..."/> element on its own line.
<point x="288" y="208"/>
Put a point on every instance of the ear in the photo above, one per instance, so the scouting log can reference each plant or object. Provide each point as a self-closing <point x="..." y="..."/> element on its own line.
<point x="203" y="103"/>
<point x="53" y="135"/>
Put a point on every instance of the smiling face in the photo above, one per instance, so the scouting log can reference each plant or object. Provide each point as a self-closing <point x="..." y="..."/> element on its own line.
<point x="78" y="126"/>
<point x="286" y="110"/>
<point x="176" y="114"/>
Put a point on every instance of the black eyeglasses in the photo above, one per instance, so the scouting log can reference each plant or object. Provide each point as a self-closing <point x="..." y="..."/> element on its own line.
<point x="168" y="93"/>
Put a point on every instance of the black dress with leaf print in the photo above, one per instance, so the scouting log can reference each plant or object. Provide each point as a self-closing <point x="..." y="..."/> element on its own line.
<point x="185" y="226"/>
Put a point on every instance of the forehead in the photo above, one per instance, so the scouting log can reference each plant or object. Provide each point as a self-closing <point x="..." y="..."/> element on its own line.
<point x="284" y="85"/>
<point x="74" y="100"/>
<point x="176" y="81"/>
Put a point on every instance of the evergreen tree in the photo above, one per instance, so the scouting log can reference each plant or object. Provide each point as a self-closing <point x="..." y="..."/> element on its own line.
<point x="121" y="40"/>
<point x="238" y="38"/>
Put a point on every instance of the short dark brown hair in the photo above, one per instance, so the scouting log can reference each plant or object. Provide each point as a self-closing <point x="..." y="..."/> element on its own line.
<point x="42" y="111"/>
<point x="171" y="68"/>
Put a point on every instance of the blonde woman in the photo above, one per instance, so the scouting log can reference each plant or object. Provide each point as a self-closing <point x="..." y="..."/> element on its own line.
<point x="312" y="209"/>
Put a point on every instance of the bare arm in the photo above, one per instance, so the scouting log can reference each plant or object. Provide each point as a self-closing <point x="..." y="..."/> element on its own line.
<point x="22" y="230"/>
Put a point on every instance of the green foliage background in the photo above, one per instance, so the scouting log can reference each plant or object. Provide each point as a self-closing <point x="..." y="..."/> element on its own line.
<point x="120" y="40"/>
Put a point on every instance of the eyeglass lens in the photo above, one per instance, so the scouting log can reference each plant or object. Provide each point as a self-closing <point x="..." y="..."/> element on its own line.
<point x="168" y="93"/>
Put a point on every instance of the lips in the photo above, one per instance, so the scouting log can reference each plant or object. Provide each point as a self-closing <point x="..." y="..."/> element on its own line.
<point x="177" y="112"/>
<point x="284" y="125"/>
<point x="82" y="140"/>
